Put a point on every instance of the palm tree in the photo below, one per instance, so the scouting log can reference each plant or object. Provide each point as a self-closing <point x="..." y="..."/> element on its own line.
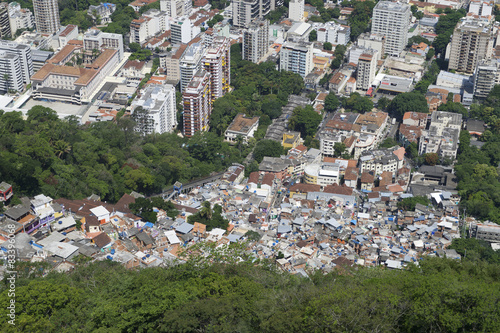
<point x="206" y="210"/>
<point x="61" y="147"/>
<point x="239" y="142"/>
<point x="6" y="77"/>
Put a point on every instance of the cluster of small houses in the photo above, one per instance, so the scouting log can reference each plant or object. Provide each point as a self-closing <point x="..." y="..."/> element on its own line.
<point x="301" y="227"/>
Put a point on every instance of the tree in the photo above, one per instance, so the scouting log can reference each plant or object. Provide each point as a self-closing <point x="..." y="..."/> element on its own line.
<point x="430" y="54"/>
<point x="388" y="143"/>
<point x="305" y="120"/>
<point x="409" y="203"/>
<point x="412" y="150"/>
<point x="358" y="103"/>
<point x="252" y="236"/>
<point x="6" y="78"/>
<point x="405" y="102"/>
<point x="339" y="149"/>
<point x="61" y="147"/>
<point x="454" y="107"/>
<point x="441" y="42"/>
<point x="431" y="158"/>
<point x="383" y="103"/>
<point x="336" y="63"/>
<point x="313" y="36"/>
<point x="40" y="114"/>
<point x="417" y="40"/>
<point x="331" y="102"/>
<point x="327" y="46"/>
<point x="267" y="148"/>
<point x="212" y="218"/>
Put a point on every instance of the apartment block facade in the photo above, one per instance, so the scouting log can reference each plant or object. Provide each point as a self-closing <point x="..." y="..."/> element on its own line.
<point x="173" y="8"/>
<point x="183" y="30"/>
<point x="367" y="66"/>
<point x="442" y="136"/>
<point x="486" y="75"/>
<point x="155" y="110"/>
<point x="5" y="30"/>
<point x="190" y="63"/>
<point x="95" y="39"/>
<point x="256" y="40"/>
<point x="46" y="16"/>
<point x="197" y="104"/>
<point x="471" y="42"/>
<point x="25" y="58"/>
<point x="216" y="61"/>
<point x="296" y="10"/>
<point x="150" y="24"/>
<point x="391" y="20"/>
<point x="20" y="18"/>
<point x="297" y="57"/>
<point x="11" y="77"/>
<point x="245" y="11"/>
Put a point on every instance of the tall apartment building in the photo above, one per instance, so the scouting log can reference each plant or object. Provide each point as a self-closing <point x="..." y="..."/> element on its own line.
<point x="256" y="40"/>
<point x="46" y="16"/>
<point x="297" y="57"/>
<point x="4" y="20"/>
<point x="217" y="62"/>
<point x="11" y="77"/>
<point x="487" y="74"/>
<point x="197" y="104"/>
<point x="183" y="30"/>
<point x="25" y="58"/>
<point x="173" y="8"/>
<point x="391" y="20"/>
<point x="296" y="10"/>
<point x="188" y="6"/>
<point x="95" y="39"/>
<point x="245" y="11"/>
<point x="158" y="112"/>
<point x="367" y="66"/>
<point x="190" y="63"/>
<point x="471" y="42"/>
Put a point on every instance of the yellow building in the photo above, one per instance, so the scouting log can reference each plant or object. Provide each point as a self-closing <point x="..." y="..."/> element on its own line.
<point x="291" y="140"/>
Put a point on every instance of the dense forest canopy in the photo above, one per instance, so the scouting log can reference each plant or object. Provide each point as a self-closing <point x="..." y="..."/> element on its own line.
<point x="60" y="158"/>
<point x="439" y="296"/>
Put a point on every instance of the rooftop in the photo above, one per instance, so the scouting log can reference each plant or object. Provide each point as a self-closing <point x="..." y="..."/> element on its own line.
<point x="242" y="124"/>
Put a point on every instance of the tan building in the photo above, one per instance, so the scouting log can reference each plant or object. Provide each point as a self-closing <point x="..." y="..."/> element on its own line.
<point x="367" y="67"/>
<point x="171" y="63"/>
<point x="46" y="16"/>
<point x="471" y="42"/>
<point x="73" y="84"/>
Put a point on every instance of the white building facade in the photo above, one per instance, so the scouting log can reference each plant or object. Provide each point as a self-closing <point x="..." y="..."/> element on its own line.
<point x="392" y="19"/>
<point x="158" y="113"/>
